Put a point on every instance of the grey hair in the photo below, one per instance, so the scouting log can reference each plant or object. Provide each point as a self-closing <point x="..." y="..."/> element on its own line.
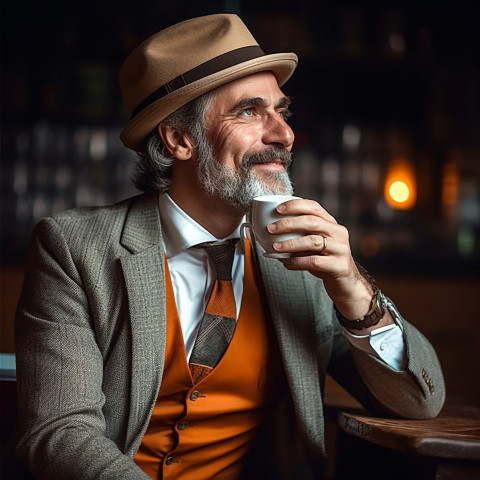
<point x="153" y="172"/>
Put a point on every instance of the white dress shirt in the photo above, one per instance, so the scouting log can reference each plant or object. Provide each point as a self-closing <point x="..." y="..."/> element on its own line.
<point x="193" y="277"/>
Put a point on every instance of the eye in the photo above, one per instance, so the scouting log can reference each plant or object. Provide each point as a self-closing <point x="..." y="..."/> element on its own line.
<point x="285" y="114"/>
<point x="248" y="112"/>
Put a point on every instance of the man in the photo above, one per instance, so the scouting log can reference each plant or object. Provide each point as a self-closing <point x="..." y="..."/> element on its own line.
<point x="114" y="297"/>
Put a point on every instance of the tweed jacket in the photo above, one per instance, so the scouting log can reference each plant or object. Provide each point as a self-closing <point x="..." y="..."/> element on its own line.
<point x="90" y="345"/>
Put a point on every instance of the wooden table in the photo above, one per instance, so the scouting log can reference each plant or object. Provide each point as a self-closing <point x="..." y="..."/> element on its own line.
<point x="446" y="447"/>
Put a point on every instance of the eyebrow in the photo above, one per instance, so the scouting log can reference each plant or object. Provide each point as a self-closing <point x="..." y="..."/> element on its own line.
<point x="259" y="101"/>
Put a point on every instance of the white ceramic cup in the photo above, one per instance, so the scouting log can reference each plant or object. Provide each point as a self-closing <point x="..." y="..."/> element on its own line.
<point x="263" y="213"/>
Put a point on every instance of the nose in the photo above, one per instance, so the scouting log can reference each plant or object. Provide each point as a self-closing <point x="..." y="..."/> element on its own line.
<point x="277" y="131"/>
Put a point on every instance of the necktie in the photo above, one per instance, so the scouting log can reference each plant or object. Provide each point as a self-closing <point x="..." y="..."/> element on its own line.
<point x="218" y="322"/>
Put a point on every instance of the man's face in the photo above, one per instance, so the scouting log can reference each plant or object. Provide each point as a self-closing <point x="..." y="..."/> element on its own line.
<point x="248" y="142"/>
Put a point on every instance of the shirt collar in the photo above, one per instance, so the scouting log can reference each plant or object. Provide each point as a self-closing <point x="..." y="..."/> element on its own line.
<point x="180" y="231"/>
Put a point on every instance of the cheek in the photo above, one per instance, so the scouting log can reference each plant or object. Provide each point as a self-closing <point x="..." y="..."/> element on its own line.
<point x="234" y="140"/>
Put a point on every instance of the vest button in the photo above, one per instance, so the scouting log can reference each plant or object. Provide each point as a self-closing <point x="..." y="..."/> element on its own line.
<point x="182" y="425"/>
<point x="194" y="395"/>
<point x="169" y="460"/>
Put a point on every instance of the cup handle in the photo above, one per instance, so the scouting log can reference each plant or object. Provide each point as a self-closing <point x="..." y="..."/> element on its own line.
<point x="243" y="228"/>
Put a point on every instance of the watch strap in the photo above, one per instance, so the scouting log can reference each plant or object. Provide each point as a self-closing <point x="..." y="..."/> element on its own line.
<point x="373" y="316"/>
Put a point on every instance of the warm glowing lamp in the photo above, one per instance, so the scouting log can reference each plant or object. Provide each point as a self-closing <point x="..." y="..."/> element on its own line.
<point x="400" y="185"/>
<point x="399" y="191"/>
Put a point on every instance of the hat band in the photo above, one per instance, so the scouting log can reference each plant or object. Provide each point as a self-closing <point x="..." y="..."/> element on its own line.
<point x="217" y="64"/>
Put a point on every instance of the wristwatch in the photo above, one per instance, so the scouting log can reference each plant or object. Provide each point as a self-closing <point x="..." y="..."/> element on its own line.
<point x="374" y="315"/>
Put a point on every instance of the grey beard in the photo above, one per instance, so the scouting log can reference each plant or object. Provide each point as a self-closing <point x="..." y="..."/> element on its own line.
<point x="237" y="188"/>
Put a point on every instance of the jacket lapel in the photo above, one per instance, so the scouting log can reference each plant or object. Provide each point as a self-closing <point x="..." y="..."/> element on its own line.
<point x="289" y="297"/>
<point x="144" y="273"/>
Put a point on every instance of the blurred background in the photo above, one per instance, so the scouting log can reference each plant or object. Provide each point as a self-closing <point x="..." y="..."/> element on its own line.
<point x="387" y="121"/>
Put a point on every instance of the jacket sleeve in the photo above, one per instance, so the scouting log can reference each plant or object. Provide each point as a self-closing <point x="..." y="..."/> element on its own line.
<point x="60" y="371"/>
<point x="416" y="392"/>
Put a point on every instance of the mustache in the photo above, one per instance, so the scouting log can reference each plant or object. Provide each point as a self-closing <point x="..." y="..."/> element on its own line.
<point x="270" y="154"/>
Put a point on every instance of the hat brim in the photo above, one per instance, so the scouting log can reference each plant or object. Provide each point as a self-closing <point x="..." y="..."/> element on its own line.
<point x="282" y="65"/>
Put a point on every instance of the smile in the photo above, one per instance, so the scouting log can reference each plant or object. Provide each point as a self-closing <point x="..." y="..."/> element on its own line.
<point x="269" y="159"/>
<point x="277" y="165"/>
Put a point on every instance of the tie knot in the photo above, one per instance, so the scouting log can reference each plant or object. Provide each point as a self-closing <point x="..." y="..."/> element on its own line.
<point x="221" y="254"/>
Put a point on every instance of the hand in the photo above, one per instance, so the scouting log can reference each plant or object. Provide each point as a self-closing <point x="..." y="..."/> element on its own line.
<point x="325" y="252"/>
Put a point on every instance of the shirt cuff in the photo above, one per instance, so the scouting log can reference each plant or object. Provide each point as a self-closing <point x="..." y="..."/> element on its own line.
<point x="385" y="342"/>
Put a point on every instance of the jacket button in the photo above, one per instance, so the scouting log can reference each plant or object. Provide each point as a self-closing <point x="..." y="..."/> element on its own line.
<point x="182" y="425"/>
<point x="169" y="460"/>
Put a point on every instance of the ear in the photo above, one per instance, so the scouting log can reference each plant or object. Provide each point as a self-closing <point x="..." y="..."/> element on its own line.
<point x="178" y="144"/>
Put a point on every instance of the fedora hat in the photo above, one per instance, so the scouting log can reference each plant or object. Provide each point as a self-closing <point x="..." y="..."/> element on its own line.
<point x="184" y="61"/>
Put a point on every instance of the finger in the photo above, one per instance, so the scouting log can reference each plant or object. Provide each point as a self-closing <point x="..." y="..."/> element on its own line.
<point x="304" y="207"/>
<point x="309" y="245"/>
<point x="308" y="224"/>
<point x="318" y="265"/>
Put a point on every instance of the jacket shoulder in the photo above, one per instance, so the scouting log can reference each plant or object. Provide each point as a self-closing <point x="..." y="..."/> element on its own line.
<point x="85" y="215"/>
<point x="87" y="230"/>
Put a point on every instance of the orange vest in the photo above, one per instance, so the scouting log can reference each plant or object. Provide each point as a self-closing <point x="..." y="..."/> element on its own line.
<point x="204" y="431"/>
